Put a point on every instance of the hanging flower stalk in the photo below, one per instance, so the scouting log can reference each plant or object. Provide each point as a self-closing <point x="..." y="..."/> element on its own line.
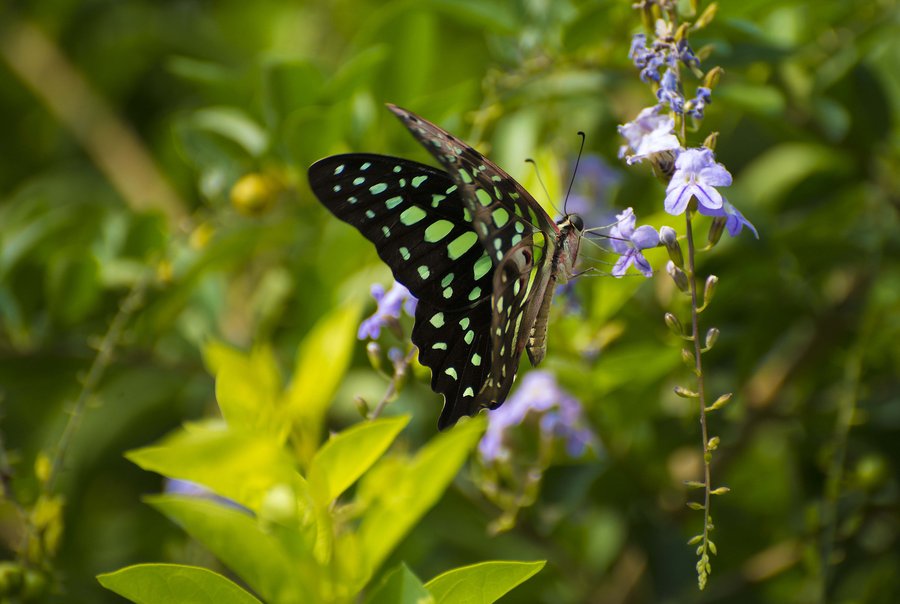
<point x="693" y="177"/>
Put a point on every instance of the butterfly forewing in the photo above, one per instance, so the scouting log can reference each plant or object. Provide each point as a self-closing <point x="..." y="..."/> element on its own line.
<point x="413" y="214"/>
<point x="504" y="213"/>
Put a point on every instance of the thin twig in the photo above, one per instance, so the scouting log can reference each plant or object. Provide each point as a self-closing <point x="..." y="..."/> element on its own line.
<point x="391" y="392"/>
<point x="110" y="340"/>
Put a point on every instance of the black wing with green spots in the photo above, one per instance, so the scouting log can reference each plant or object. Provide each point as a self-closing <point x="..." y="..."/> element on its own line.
<point x="443" y="234"/>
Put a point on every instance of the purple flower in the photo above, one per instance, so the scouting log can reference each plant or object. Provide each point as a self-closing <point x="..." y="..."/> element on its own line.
<point x="699" y="103"/>
<point x="639" y="52"/>
<point x="735" y="221"/>
<point x="560" y="417"/>
<point x="628" y="243"/>
<point x="696" y="175"/>
<point x="649" y="133"/>
<point x="686" y="53"/>
<point x="668" y="92"/>
<point x="647" y="60"/>
<point x="389" y="304"/>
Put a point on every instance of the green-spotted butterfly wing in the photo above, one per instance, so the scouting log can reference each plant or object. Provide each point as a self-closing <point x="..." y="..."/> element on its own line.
<point x="476" y="264"/>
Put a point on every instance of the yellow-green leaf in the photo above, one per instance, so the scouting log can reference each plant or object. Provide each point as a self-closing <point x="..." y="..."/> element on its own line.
<point x="347" y="455"/>
<point x="174" y="584"/>
<point x="482" y="583"/>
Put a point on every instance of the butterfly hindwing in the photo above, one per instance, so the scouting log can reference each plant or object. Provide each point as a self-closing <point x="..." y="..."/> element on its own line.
<point x="456" y="345"/>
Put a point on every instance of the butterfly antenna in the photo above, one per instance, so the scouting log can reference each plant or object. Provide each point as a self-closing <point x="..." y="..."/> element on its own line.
<point x="540" y="180"/>
<point x="575" y="171"/>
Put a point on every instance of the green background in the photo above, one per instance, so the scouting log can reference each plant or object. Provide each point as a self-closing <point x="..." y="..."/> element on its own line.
<point x="128" y="124"/>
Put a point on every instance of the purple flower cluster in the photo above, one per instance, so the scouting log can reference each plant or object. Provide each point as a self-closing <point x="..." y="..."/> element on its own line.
<point x="388" y="311"/>
<point x="558" y="414"/>
<point x="651" y="135"/>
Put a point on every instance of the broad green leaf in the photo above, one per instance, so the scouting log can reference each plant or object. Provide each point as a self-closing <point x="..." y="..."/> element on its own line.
<point x="346" y="456"/>
<point x="754" y="98"/>
<point x="233" y="124"/>
<point x="773" y="174"/>
<point x="237" y="464"/>
<point x="321" y="364"/>
<point x="495" y="17"/>
<point x="355" y="72"/>
<point x="248" y="389"/>
<point x="258" y="557"/>
<point x="416" y="486"/>
<point x="482" y="583"/>
<point x="174" y="583"/>
<point x="400" y="586"/>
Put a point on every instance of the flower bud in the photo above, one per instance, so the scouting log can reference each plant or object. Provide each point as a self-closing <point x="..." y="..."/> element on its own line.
<point x="712" y="77"/>
<point x="678" y="276"/>
<point x="716" y="229"/>
<point x="687" y="357"/>
<point x="682" y="32"/>
<point x="669" y="238"/>
<point x="709" y="289"/>
<point x="685" y="393"/>
<point x="712" y="334"/>
<point x="362" y="406"/>
<point x="708" y="15"/>
<point x="720" y="402"/>
<point x="374" y="352"/>
<point x="674" y="324"/>
<point x="720" y="491"/>
<point x="279" y="504"/>
<point x="711" y="140"/>
<point x="713" y="444"/>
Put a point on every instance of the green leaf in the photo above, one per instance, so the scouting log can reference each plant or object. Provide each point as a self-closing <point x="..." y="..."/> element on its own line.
<point x="321" y="363"/>
<point x="259" y="558"/>
<point x="237" y="464"/>
<point x="415" y="487"/>
<point x="289" y="85"/>
<point x="773" y="174"/>
<point x="400" y="586"/>
<point x="481" y="583"/>
<point x="346" y="456"/>
<point x="758" y="99"/>
<point x="248" y="389"/>
<point x="234" y="125"/>
<point x="175" y="583"/>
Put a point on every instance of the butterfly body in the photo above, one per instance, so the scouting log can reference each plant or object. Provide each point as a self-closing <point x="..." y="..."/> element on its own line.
<point x="476" y="250"/>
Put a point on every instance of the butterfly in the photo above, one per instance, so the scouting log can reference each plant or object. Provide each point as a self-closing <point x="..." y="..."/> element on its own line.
<point x="471" y="244"/>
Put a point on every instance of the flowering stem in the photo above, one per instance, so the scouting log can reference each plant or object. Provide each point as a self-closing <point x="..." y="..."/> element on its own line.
<point x="701" y="396"/>
<point x="391" y="392"/>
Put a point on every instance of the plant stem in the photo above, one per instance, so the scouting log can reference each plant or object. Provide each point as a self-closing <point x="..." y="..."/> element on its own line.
<point x="110" y="340"/>
<point x="698" y="367"/>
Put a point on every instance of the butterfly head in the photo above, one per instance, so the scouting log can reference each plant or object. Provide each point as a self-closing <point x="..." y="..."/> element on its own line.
<point x="572" y="220"/>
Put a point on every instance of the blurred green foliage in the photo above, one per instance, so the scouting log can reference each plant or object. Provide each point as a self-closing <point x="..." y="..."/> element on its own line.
<point x="161" y="148"/>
